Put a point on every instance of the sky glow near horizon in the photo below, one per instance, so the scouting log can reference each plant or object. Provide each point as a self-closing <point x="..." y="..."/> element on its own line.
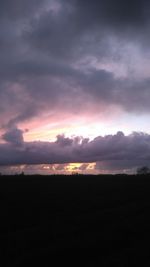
<point x="74" y="86"/>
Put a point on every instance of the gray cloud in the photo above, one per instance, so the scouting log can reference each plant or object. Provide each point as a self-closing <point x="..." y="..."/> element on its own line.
<point x="14" y="136"/>
<point x="44" y="49"/>
<point x="18" y="9"/>
<point x="118" y="12"/>
<point x="110" y="152"/>
<point x="82" y="25"/>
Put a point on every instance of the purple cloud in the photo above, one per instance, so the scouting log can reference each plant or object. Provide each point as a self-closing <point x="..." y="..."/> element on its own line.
<point x="64" y="57"/>
<point x="14" y="136"/>
<point x="111" y="150"/>
<point x="49" y="60"/>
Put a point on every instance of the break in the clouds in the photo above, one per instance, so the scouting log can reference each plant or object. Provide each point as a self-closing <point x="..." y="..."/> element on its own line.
<point x="66" y="62"/>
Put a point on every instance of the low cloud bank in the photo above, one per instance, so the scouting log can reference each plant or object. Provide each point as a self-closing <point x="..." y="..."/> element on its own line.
<point x="110" y="152"/>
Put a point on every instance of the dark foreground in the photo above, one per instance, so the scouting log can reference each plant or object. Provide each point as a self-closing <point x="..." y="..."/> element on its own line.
<point x="75" y="220"/>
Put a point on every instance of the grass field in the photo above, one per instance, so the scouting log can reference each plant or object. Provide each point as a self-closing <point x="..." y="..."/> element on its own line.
<point x="75" y="220"/>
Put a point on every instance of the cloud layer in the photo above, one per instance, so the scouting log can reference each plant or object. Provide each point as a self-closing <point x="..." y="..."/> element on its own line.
<point x="73" y="57"/>
<point x="53" y="52"/>
<point x="110" y="152"/>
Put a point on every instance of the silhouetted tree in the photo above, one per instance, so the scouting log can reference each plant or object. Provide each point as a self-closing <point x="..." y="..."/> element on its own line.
<point x="143" y="170"/>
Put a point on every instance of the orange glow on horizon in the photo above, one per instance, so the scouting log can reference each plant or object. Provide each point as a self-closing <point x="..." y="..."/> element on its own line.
<point x="73" y="167"/>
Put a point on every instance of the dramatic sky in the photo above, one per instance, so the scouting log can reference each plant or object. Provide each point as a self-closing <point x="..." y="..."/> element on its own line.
<point x="74" y="85"/>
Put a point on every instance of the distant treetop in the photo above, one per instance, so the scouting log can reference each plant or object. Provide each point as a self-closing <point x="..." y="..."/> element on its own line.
<point x="143" y="170"/>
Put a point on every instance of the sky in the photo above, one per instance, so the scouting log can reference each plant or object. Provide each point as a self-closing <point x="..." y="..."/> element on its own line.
<point x="74" y="86"/>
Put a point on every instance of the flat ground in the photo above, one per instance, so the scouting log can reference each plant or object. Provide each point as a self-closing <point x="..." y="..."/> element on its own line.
<point x="95" y="220"/>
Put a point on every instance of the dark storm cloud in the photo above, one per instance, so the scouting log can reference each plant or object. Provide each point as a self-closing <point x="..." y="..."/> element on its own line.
<point x="14" y="136"/>
<point x="116" y="13"/>
<point x="79" y="23"/>
<point x="17" y="9"/>
<point x="132" y="94"/>
<point x="41" y="43"/>
<point x="113" y="151"/>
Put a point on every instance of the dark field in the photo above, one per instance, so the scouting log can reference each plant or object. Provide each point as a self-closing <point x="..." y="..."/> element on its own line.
<point x="75" y="220"/>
